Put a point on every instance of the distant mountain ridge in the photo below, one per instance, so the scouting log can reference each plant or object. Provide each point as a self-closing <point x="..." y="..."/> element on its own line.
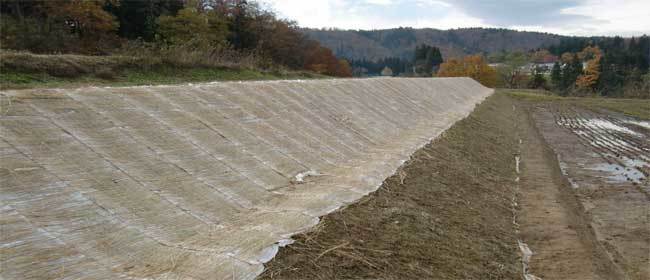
<point x="401" y="42"/>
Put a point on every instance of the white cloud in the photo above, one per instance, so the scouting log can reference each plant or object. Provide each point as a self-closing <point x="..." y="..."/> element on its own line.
<point x="585" y="17"/>
<point x="306" y="13"/>
<point x="379" y="2"/>
<point x="616" y="17"/>
<point x="453" y="19"/>
<point x="373" y="14"/>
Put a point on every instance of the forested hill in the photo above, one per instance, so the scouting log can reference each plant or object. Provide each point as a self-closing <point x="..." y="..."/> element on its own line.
<point x="400" y="42"/>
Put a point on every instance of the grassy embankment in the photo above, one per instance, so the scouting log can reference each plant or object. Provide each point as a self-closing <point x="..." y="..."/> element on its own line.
<point x="20" y="70"/>
<point x="638" y="108"/>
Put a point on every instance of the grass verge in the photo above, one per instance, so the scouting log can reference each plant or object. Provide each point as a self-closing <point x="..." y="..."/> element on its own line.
<point x="19" y="70"/>
<point x="638" y="108"/>
<point x="445" y="215"/>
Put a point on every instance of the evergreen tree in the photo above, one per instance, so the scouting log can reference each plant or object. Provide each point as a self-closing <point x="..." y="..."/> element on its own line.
<point x="137" y="18"/>
<point x="242" y="35"/>
<point x="538" y="81"/>
<point x="612" y="77"/>
<point x="426" y="60"/>
<point x="570" y="73"/>
<point x="639" y="53"/>
<point x="556" y="75"/>
<point x="435" y="58"/>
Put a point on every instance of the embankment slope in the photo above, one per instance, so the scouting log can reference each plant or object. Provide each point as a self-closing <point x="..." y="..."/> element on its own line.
<point x="199" y="181"/>
<point x="446" y="214"/>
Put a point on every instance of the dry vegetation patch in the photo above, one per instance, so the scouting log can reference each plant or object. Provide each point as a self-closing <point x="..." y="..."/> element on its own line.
<point x="65" y="65"/>
<point x="445" y="215"/>
<point x="638" y="108"/>
<point x="20" y="70"/>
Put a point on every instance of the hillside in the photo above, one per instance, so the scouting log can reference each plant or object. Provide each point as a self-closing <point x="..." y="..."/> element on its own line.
<point x="400" y="42"/>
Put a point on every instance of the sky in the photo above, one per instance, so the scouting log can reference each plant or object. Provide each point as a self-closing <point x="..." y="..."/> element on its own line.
<point x="566" y="17"/>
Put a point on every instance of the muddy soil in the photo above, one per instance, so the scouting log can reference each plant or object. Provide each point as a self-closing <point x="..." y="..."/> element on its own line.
<point x="447" y="214"/>
<point x="606" y="159"/>
<point x="551" y="219"/>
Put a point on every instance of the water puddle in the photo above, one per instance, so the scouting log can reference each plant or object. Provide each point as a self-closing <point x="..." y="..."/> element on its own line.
<point x="638" y="163"/>
<point x="619" y="173"/>
<point x="612" y="139"/>
<point x="526" y="254"/>
<point x="643" y="124"/>
<point x="607" y="125"/>
<point x="587" y="126"/>
<point x="564" y="168"/>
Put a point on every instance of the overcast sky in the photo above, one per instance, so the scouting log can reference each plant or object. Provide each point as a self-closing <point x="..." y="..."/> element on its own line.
<point x="567" y="17"/>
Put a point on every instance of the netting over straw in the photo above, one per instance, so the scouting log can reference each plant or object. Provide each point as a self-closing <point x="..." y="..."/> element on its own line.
<point x="199" y="181"/>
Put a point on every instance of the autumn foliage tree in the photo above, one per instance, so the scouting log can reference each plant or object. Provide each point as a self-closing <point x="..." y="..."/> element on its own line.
<point x="510" y="72"/>
<point x="67" y="26"/>
<point x="195" y="30"/>
<point x="543" y="56"/>
<point x="86" y="18"/>
<point x="207" y="29"/>
<point x="321" y="60"/>
<point x="473" y="66"/>
<point x="344" y="69"/>
<point x="589" y="78"/>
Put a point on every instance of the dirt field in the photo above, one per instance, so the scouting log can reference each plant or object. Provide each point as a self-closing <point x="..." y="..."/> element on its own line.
<point x="605" y="157"/>
<point x="580" y="202"/>
<point x="551" y="220"/>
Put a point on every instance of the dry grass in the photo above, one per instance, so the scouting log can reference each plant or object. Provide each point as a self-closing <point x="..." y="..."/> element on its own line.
<point x="135" y="66"/>
<point x="65" y="65"/>
<point x="446" y="214"/>
<point x="191" y="55"/>
<point x="639" y="108"/>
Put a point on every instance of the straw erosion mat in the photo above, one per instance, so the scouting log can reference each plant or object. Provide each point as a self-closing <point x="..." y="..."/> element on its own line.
<point x="199" y="181"/>
<point x="447" y="214"/>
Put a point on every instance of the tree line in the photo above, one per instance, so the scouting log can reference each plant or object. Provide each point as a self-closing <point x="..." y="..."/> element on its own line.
<point x="425" y="61"/>
<point x="473" y="66"/>
<point x="364" y="67"/>
<point x="604" y="66"/>
<point x="103" y="27"/>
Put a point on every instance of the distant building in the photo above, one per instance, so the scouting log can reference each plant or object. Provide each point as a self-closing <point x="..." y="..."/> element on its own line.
<point x="545" y="68"/>
<point x="529" y="68"/>
<point x="360" y="72"/>
<point x="387" y="72"/>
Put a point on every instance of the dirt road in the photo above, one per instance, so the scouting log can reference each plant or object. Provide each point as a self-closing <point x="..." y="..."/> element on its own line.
<point x="606" y="158"/>
<point x="551" y="219"/>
